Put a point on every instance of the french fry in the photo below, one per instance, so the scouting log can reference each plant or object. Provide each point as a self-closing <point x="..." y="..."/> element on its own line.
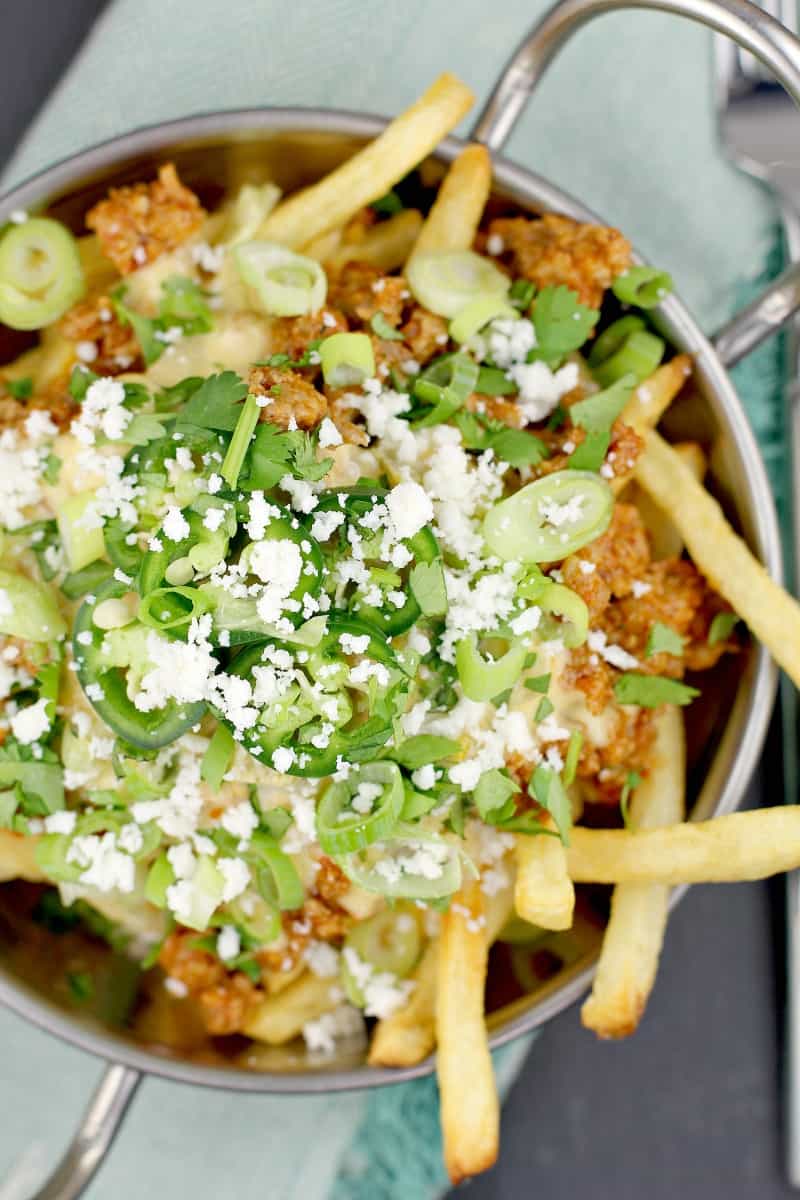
<point x="747" y="845"/>
<point x="387" y="245"/>
<point x="635" y="931"/>
<point x="652" y="398"/>
<point x="324" y="247"/>
<point x="18" y="857"/>
<point x="406" y="1037"/>
<point x="544" y="894"/>
<point x="666" y="541"/>
<point x="470" y="1110"/>
<point x="723" y="557"/>
<point x="455" y="216"/>
<point x="374" y="170"/>
<point x="279" y="1018"/>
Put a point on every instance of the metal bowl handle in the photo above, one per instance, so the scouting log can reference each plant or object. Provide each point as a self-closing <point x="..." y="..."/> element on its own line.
<point x="92" y="1139"/>
<point x="746" y="24"/>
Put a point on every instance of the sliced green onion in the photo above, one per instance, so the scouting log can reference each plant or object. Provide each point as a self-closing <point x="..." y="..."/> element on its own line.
<point x="389" y="941"/>
<point x="40" y="273"/>
<point x="283" y="283"/>
<point x="548" y="790"/>
<point x="341" y="829"/>
<point x="590" y="454"/>
<point x="446" y="281"/>
<point x="572" y="756"/>
<point x="382" y="329"/>
<point x="218" y="757"/>
<point x="481" y="678"/>
<point x="427" y="583"/>
<point x="82" y="540"/>
<point x="261" y="920"/>
<point x="597" y="413"/>
<point x="445" y="385"/>
<point x="28" y="609"/>
<point x="648" y="691"/>
<point x="390" y="868"/>
<point x="561" y="600"/>
<point x="424" y="748"/>
<point x="549" y="519"/>
<point x="722" y="627"/>
<point x="626" y="347"/>
<point x="172" y="607"/>
<point x="347" y="359"/>
<point x="479" y="312"/>
<point x="276" y="874"/>
<point x="643" y="286"/>
<point x="86" y="580"/>
<point x="234" y="459"/>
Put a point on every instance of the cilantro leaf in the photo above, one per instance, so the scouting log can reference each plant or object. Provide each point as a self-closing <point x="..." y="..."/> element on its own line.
<point x="494" y="382"/>
<point x="426" y="581"/>
<point x="422" y="749"/>
<point x="309" y="358"/>
<point x="538" y="683"/>
<point x="388" y="205"/>
<point x="304" y="463"/>
<point x="591" y="453"/>
<point x="144" y="328"/>
<point x="216" y="403"/>
<point x="495" y="790"/>
<point x="516" y="447"/>
<point x="547" y="790"/>
<point x="599" y="412"/>
<point x="722" y="627"/>
<point x="38" y="779"/>
<point x="20" y="389"/>
<point x="663" y="640"/>
<point x="561" y="322"/>
<point x="648" y="691"/>
<point x="521" y="294"/>
<point x="545" y="708"/>
<point x="182" y="306"/>
<point x="382" y="329"/>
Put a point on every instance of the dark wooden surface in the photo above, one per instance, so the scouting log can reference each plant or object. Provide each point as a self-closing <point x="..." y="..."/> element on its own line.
<point x="688" y="1108"/>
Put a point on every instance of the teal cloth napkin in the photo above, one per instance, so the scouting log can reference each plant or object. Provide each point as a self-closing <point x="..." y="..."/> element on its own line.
<point x="623" y="120"/>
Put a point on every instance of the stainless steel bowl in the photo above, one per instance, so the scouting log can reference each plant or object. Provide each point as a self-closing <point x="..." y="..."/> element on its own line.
<point x="295" y="146"/>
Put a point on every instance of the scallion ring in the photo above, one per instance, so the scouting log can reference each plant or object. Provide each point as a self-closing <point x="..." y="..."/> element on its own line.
<point x="347" y="359"/>
<point x="561" y="601"/>
<point x="283" y="283"/>
<point x="446" y="281"/>
<point x="549" y="519"/>
<point x="626" y="347"/>
<point x="481" y="678"/>
<point x="480" y="312"/>
<point x="643" y="286"/>
<point x="352" y="815"/>
<point x="40" y="273"/>
<point x="413" y="865"/>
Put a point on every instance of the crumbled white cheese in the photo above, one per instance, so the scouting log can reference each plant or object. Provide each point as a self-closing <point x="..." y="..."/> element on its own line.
<point x="321" y="1035"/>
<point x="322" y="958"/>
<point x="383" y="992"/>
<point x="410" y="508"/>
<point x="175" y="525"/>
<point x="597" y="641"/>
<point x="229" y="943"/>
<point x="31" y="723"/>
<point x="240" y="820"/>
<point x="540" y="389"/>
<point x="102" y="411"/>
<point x="510" y="340"/>
<point x="328" y="434"/>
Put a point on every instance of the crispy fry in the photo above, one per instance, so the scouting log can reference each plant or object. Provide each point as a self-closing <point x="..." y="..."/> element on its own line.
<point x="470" y="1110"/>
<point x="635" y="932"/>
<point x="375" y="169"/>
<point x="324" y="247"/>
<point x="409" y="1035"/>
<point x="665" y="538"/>
<point x="730" y="567"/>
<point x="544" y="894"/>
<point x="747" y="845"/>
<point x="386" y="246"/>
<point x="279" y="1018"/>
<point x="456" y="213"/>
<point x="652" y="398"/>
<point x="18" y="857"/>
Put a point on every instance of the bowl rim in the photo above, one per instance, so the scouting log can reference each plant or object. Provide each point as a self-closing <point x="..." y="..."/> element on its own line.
<point x="754" y="710"/>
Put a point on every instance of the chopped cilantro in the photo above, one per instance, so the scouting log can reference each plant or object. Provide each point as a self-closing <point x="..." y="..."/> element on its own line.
<point x="521" y="294"/>
<point x="544" y="709"/>
<point x="561" y="322"/>
<point x="382" y="329"/>
<point x="388" y="205"/>
<point x="598" y="413"/>
<point x="722" y="627"/>
<point x="217" y="402"/>
<point x="20" y="389"/>
<point x="182" y="306"/>
<point x="52" y="468"/>
<point x="494" y="382"/>
<point x="424" y="748"/>
<point x="276" y="821"/>
<point x="516" y="447"/>
<point x="547" y="790"/>
<point x="648" y="691"/>
<point x="495" y="790"/>
<point x="591" y="453"/>
<point x="81" y="985"/>
<point x="663" y="640"/>
<point x="309" y="358"/>
<point x="538" y="683"/>
<point x="426" y="581"/>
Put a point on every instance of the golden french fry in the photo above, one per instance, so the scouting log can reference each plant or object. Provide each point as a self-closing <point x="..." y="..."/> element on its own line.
<point x="635" y="931"/>
<point x="324" y="247"/>
<point x="470" y="1110"/>
<point x="747" y="845"/>
<point x="279" y="1018"/>
<point x="652" y="398"/>
<point x="18" y="857"/>
<point x="666" y="541"/>
<point x="723" y="557"/>
<point x="544" y="894"/>
<point x="456" y="213"/>
<point x="387" y="245"/>
<point x="375" y="169"/>
<point x="409" y="1035"/>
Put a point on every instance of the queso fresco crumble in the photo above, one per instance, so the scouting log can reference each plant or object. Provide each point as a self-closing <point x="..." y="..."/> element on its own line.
<point x="317" y="591"/>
